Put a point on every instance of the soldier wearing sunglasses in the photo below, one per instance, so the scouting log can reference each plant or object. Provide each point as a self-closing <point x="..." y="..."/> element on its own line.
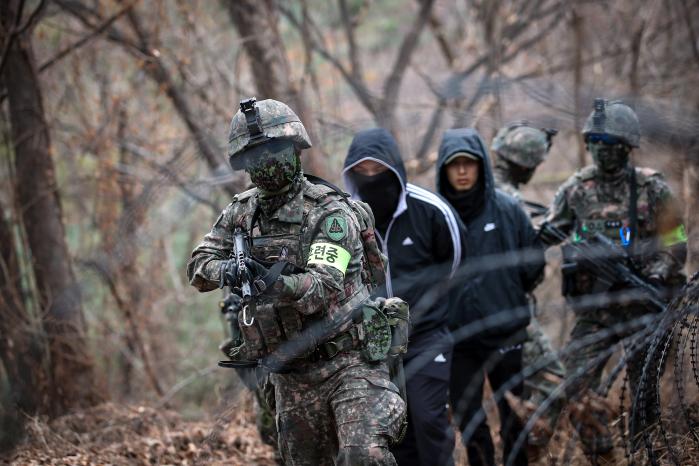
<point x="635" y="208"/>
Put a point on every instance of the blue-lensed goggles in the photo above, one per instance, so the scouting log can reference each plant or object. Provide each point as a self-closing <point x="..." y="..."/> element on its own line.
<point x="604" y="138"/>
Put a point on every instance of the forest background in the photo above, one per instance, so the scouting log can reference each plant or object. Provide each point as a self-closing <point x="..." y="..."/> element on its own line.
<point x="113" y="130"/>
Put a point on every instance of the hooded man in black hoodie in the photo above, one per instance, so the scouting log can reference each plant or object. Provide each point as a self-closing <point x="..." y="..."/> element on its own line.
<point x="422" y="237"/>
<point x="490" y="316"/>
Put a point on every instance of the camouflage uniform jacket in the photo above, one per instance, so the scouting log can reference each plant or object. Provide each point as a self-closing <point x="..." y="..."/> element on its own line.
<point x="317" y="231"/>
<point x="589" y="203"/>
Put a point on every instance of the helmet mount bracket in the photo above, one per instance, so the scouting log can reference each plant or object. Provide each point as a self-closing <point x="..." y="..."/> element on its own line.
<point x="599" y="117"/>
<point x="252" y="120"/>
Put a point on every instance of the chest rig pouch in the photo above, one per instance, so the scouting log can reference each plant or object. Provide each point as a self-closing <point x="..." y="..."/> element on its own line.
<point x="265" y="324"/>
<point x="384" y="328"/>
<point x="579" y="275"/>
<point x="272" y="332"/>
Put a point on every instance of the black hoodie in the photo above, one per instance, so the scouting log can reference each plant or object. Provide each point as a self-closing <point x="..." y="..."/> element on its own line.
<point x="494" y="282"/>
<point x="423" y="240"/>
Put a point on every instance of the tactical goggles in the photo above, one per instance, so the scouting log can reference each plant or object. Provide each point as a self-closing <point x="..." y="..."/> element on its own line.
<point x="604" y="138"/>
<point x="271" y="147"/>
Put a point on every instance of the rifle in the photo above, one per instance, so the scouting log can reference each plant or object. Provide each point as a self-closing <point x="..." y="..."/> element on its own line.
<point x="611" y="265"/>
<point x="535" y="209"/>
<point x="240" y="297"/>
<point x="240" y="252"/>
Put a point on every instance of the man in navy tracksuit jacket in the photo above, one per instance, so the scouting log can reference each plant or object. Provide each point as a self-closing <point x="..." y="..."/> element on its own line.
<point x="422" y="237"/>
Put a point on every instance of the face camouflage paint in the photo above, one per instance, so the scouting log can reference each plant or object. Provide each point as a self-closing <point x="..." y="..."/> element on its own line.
<point x="609" y="158"/>
<point x="272" y="166"/>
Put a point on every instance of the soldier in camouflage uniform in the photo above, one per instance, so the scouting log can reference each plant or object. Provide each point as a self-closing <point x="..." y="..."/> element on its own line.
<point x="308" y="279"/>
<point x="636" y="209"/>
<point x="520" y="148"/>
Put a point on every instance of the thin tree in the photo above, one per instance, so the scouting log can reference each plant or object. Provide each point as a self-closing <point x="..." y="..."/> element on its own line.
<point x="257" y="23"/>
<point x="71" y="381"/>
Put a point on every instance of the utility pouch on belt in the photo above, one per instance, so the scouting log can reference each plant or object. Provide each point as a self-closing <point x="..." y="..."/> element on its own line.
<point x="398" y="314"/>
<point x="377" y="333"/>
<point x="385" y="327"/>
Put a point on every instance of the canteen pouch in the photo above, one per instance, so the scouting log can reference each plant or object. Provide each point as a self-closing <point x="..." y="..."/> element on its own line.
<point x="376" y="332"/>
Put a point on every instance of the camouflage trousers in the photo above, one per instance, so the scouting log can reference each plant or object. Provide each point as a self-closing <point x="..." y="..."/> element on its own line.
<point x="538" y="353"/>
<point x="585" y="365"/>
<point x="343" y="411"/>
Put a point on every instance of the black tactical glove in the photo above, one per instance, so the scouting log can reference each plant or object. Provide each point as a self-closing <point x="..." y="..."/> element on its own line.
<point x="263" y="278"/>
<point x="228" y="274"/>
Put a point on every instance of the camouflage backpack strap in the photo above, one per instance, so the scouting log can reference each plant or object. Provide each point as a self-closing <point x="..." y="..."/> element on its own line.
<point x="318" y="191"/>
<point x="374" y="260"/>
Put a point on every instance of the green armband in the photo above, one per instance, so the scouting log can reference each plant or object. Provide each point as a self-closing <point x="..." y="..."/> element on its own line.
<point x="329" y="254"/>
<point x="674" y="236"/>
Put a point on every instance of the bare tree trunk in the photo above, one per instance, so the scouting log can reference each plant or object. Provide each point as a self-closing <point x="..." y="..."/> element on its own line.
<point x="134" y="212"/>
<point x="159" y="73"/>
<point x="578" y="38"/>
<point x="257" y="23"/>
<point x="636" y="43"/>
<point x="156" y="69"/>
<point x="70" y="368"/>
<point x="20" y="349"/>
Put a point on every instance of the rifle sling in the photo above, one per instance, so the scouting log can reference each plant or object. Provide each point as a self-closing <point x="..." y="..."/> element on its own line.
<point x="318" y="180"/>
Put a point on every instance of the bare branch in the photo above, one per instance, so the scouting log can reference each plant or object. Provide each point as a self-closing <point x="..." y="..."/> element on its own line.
<point x="33" y="17"/>
<point x="99" y="29"/>
<point x="410" y="41"/>
<point x="11" y="34"/>
<point x="360" y="90"/>
<point x="168" y="173"/>
<point x="348" y="26"/>
<point x="444" y="46"/>
<point x="692" y="33"/>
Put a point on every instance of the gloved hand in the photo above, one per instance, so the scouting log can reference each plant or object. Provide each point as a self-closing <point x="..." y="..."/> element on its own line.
<point x="263" y="278"/>
<point x="228" y="274"/>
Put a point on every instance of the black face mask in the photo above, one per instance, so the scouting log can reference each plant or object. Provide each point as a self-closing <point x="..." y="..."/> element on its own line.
<point x="381" y="192"/>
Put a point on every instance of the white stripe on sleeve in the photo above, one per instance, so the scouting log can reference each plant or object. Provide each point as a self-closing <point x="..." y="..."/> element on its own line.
<point x="431" y="198"/>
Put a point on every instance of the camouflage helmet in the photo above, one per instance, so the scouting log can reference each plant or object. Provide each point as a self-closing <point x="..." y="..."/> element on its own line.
<point x="616" y="119"/>
<point x="521" y="144"/>
<point x="275" y="120"/>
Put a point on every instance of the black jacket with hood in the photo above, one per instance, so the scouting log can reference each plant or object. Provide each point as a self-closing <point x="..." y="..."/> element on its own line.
<point x="495" y="284"/>
<point x="423" y="240"/>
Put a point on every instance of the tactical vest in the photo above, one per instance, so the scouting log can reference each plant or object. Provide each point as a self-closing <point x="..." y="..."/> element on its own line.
<point x="606" y="208"/>
<point x="613" y="210"/>
<point x="276" y="332"/>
